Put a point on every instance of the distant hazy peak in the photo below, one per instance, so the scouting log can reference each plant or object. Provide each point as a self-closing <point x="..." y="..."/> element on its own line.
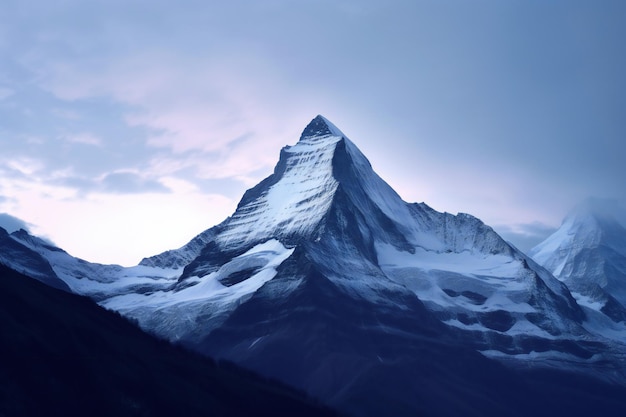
<point x="599" y="209"/>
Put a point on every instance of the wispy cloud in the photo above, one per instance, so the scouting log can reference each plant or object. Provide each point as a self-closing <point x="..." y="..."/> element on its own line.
<point x="23" y="166"/>
<point x="195" y="107"/>
<point x="120" y="226"/>
<point x="525" y="235"/>
<point x="131" y="183"/>
<point x="11" y="223"/>
<point x="84" y="138"/>
<point x="5" y="92"/>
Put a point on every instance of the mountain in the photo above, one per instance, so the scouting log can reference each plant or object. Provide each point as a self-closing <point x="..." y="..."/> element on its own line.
<point x="81" y="277"/>
<point x="324" y="199"/>
<point x="588" y="253"/>
<point x="62" y="355"/>
<point x="325" y="279"/>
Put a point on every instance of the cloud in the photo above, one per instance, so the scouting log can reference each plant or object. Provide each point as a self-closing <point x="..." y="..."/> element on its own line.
<point x="246" y="160"/>
<point x="190" y="116"/>
<point x="37" y="176"/>
<point x="84" y="138"/>
<point x="68" y="114"/>
<point x="204" y="101"/>
<point x="11" y="223"/>
<point x="122" y="228"/>
<point x="115" y="226"/>
<point x="525" y="236"/>
<point x="184" y="103"/>
<point x="5" y="92"/>
<point x="24" y="166"/>
<point x="117" y="182"/>
<point x="609" y="208"/>
<point x="130" y="183"/>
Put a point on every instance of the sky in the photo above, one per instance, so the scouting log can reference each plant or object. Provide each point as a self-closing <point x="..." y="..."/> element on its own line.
<point x="128" y="127"/>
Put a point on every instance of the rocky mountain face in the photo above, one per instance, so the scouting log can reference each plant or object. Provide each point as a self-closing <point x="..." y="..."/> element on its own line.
<point x="325" y="279"/>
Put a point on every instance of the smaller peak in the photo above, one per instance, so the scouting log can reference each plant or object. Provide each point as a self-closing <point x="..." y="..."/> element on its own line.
<point x="320" y="126"/>
<point x="21" y="233"/>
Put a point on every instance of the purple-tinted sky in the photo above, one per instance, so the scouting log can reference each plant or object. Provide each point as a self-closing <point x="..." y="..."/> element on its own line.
<point x="127" y="127"/>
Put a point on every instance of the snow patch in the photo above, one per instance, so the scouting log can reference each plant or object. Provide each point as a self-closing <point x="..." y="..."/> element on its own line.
<point x="176" y="312"/>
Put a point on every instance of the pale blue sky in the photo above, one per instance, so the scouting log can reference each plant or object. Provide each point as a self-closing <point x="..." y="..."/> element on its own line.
<point x="127" y="127"/>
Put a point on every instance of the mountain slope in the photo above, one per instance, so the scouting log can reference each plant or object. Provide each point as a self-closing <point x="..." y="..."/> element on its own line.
<point x="60" y="354"/>
<point x="373" y="362"/>
<point x="81" y="277"/>
<point x="27" y="261"/>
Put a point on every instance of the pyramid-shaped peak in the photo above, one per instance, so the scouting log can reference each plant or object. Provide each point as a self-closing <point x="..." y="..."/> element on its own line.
<point x="591" y="224"/>
<point x="319" y="127"/>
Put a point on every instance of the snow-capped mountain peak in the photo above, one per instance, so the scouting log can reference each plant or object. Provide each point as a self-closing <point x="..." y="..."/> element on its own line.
<point x="588" y="253"/>
<point x="292" y="201"/>
<point x="591" y="224"/>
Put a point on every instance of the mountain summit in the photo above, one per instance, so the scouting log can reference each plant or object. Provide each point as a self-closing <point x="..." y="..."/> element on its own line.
<point x="290" y="203"/>
<point x="320" y="127"/>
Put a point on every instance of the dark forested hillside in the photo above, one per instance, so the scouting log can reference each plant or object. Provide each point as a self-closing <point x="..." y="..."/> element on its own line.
<point x="62" y="355"/>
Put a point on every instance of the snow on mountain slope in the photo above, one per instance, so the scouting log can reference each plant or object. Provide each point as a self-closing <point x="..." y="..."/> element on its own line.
<point x="22" y="259"/>
<point x="179" y="258"/>
<point x="490" y="293"/>
<point x="588" y="253"/>
<point x="294" y="205"/>
<point x="201" y="306"/>
<point x="95" y="280"/>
